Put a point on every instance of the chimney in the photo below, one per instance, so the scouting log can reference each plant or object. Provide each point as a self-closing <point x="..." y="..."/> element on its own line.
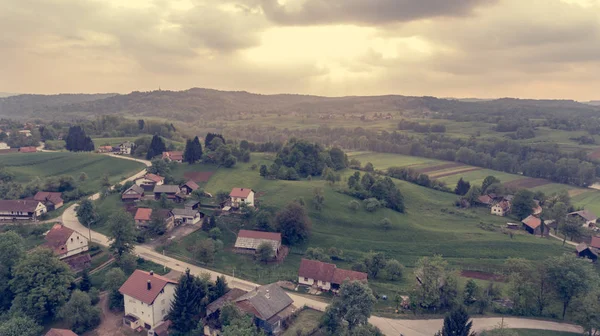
<point x="149" y="285"/>
<point x="151" y="273"/>
<point x="268" y="296"/>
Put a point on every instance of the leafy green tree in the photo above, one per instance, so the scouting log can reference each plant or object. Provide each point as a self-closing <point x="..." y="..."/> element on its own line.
<point x="113" y="280"/>
<point x="157" y="225"/>
<point x="160" y="167"/>
<point x="457" y="323"/>
<point x="587" y="312"/>
<point x="85" y="284"/>
<point x="121" y="231"/>
<point x="522" y="203"/>
<point x="127" y="262"/>
<point x="436" y="284"/>
<point x="487" y="182"/>
<point x="353" y="305"/>
<point x="318" y="198"/>
<point x="365" y="330"/>
<point x="572" y="228"/>
<point x="78" y="141"/>
<point x="374" y="263"/>
<point x="215" y="233"/>
<point x="20" y="325"/>
<point x="473" y="193"/>
<point x="371" y="204"/>
<point x="569" y="277"/>
<point x="385" y="224"/>
<point x="79" y="314"/>
<point x="558" y="212"/>
<point x="86" y="212"/>
<point x="187" y="303"/>
<point x="462" y="187"/>
<point x="353" y="205"/>
<point x="205" y="250"/>
<point x="193" y="151"/>
<point x="369" y="167"/>
<point x="394" y="270"/>
<point x="264" y="252"/>
<point x="219" y="289"/>
<point x="243" y="326"/>
<point x="293" y="223"/>
<point x="40" y="284"/>
<point x="470" y="293"/>
<point x="11" y="251"/>
<point x="316" y="253"/>
<point x="264" y="171"/>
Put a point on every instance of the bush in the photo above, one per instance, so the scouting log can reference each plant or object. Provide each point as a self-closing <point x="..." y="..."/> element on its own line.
<point x="353" y="205"/>
<point x="371" y="204"/>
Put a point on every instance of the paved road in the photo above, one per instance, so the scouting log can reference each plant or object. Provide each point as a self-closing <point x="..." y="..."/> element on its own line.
<point x="388" y="326"/>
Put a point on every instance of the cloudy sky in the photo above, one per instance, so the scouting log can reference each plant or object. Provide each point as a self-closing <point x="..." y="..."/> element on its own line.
<point x="458" y="48"/>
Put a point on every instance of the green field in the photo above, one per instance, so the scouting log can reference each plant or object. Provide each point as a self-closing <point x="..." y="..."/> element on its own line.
<point x="432" y="225"/>
<point x="383" y="161"/>
<point x="29" y="166"/>
<point x="477" y="177"/>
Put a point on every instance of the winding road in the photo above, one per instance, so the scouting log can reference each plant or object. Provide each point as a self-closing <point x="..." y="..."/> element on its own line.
<point x="391" y="327"/>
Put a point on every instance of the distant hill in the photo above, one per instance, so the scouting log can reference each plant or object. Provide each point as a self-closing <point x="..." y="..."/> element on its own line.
<point x="594" y="102"/>
<point x="191" y="104"/>
<point x="6" y="94"/>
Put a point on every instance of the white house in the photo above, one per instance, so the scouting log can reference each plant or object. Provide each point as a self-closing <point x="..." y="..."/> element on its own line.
<point x="150" y="180"/>
<point x="147" y="298"/>
<point x="501" y="208"/>
<point x="21" y="209"/>
<point x="186" y="216"/>
<point x="126" y="148"/>
<point x="241" y="195"/>
<point x="4" y="145"/>
<point x="65" y="242"/>
<point x="26" y="133"/>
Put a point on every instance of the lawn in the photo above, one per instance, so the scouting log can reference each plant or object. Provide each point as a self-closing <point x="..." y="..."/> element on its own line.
<point x="589" y="200"/>
<point x="383" y="161"/>
<point x="477" y="177"/>
<point x="306" y="322"/>
<point x="536" y="332"/>
<point x="431" y="225"/>
<point x="29" y="166"/>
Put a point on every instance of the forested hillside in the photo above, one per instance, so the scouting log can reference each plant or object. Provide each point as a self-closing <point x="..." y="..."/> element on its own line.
<point x="35" y="106"/>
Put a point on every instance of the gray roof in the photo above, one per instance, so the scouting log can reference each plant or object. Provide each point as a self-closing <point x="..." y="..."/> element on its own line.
<point x="136" y="188"/>
<point x="586" y="214"/>
<point x="233" y="294"/>
<point x="184" y="212"/>
<point x="167" y="188"/>
<point x="267" y="300"/>
<point x="191" y="203"/>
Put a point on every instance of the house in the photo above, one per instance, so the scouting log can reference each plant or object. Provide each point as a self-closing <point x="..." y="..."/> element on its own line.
<point x="29" y="149"/>
<point x="171" y="191"/>
<point x="270" y="305"/>
<point x="167" y="216"/>
<point x="149" y="181"/>
<point x="175" y="156"/>
<point x="584" y="251"/>
<point x="21" y="209"/>
<point x="248" y="241"/>
<point x="126" y="148"/>
<point x="52" y="200"/>
<point x="326" y="276"/>
<point x="192" y="204"/>
<point x="4" y="145"/>
<point x="485" y="200"/>
<point x="501" y="208"/>
<point x="595" y="243"/>
<point x="589" y="218"/>
<point x="104" y="149"/>
<point x="142" y="217"/>
<point x="147" y="297"/>
<point x="241" y="196"/>
<point x="186" y="216"/>
<point x="26" y="133"/>
<point x="65" y="242"/>
<point x="134" y="193"/>
<point x="188" y="187"/>
<point x="60" y="332"/>
<point x="533" y="225"/>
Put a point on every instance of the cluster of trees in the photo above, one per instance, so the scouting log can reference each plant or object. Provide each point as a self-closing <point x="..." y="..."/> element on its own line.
<point x="77" y="141"/>
<point x="375" y="191"/>
<point x="17" y="140"/>
<point x="413" y="176"/>
<point x="36" y="287"/>
<point x="193" y="151"/>
<point x="66" y="184"/>
<point x="309" y="159"/>
<point x="421" y="128"/>
<point x="377" y="266"/>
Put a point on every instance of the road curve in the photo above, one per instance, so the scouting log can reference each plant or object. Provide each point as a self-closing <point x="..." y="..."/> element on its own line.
<point x="391" y="327"/>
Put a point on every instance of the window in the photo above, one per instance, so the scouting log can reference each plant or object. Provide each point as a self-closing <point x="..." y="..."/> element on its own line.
<point x="305" y="279"/>
<point x="71" y="240"/>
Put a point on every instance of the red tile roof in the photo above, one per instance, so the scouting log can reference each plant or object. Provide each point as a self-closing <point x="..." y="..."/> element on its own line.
<point x="175" y="155"/>
<point x="60" y="332"/>
<point x="57" y="237"/>
<point x="240" y="192"/>
<point x="341" y="275"/>
<point x="43" y="196"/>
<point x="504" y="205"/>
<point x="317" y="270"/>
<point x="27" y="149"/>
<point x="19" y="205"/>
<point x="137" y="286"/>
<point x="143" y="214"/>
<point x="595" y="242"/>
<point x="191" y="184"/>
<point x="260" y="235"/>
<point x="485" y="199"/>
<point x="154" y="177"/>
<point x="532" y="222"/>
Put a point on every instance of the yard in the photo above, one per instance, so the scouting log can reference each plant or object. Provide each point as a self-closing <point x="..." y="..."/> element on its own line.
<point x="306" y="322"/>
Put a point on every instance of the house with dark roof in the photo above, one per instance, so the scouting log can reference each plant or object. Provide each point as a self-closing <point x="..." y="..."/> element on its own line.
<point x="52" y="200"/>
<point x="587" y="218"/>
<point x="60" y="332"/>
<point x="188" y="187"/>
<point x="192" y="204"/>
<point x="533" y="225"/>
<point x="149" y="181"/>
<point x="147" y="298"/>
<point x="186" y="216"/>
<point x="248" y="241"/>
<point x="65" y="242"/>
<point x="239" y="196"/>
<point x="175" y="156"/>
<point x="21" y="209"/>
<point x="325" y="276"/>
<point x="133" y="194"/>
<point x="584" y="251"/>
<point x="171" y="191"/>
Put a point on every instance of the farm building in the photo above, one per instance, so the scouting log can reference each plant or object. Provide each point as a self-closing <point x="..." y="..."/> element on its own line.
<point x="241" y="196"/>
<point x="595" y="243"/>
<point x="134" y="193"/>
<point x="60" y="332"/>
<point x="501" y="208"/>
<point x="52" y="200"/>
<point x="189" y="187"/>
<point x="142" y="217"/>
<point x="186" y="216"/>
<point x="587" y="217"/>
<point x="248" y="241"/>
<point x="21" y="209"/>
<point x="537" y="209"/>
<point x="30" y="149"/>
<point x="192" y="204"/>
<point x="485" y="200"/>
<point x="171" y="191"/>
<point x="65" y="242"/>
<point x="147" y="298"/>
<point x="325" y="276"/>
<point x="175" y="156"/>
<point x="126" y="148"/>
<point x="533" y="225"/>
<point x="584" y="251"/>
<point x="149" y="181"/>
<point x="104" y="149"/>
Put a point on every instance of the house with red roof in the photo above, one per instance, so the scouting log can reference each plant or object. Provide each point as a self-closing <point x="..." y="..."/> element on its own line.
<point x="501" y="208"/>
<point x="142" y="217"/>
<point x="52" y="200"/>
<point x="60" y="332"/>
<point x="147" y="298"/>
<point x="533" y="225"/>
<point x="241" y="196"/>
<point x="22" y="209"/>
<point x="326" y="276"/>
<point x="595" y="243"/>
<point x="105" y="149"/>
<point x="175" y="156"/>
<point x="149" y="181"/>
<point x="248" y="241"/>
<point x="65" y="242"/>
<point x="189" y="187"/>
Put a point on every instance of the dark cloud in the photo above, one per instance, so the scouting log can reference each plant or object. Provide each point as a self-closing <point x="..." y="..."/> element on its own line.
<point x="367" y="12"/>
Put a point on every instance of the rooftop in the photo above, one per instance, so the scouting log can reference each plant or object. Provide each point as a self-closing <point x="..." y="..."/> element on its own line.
<point x="240" y="192"/>
<point x="166" y="188"/>
<point x="57" y="237"/>
<point x="19" y="205"/>
<point x="137" y="286"/>
<point x="191" y="184"/>
<point x="60" y="332"/>
<point x="532" y="222"/>
<point x="154" y="177"/>
<point x="586" y="214"/>
<point x="265" y="301"/>
<point x="249" y="239"/>
<point x="143" y="214"/>
<point x="43" y="196"/>
<point x="595" y="243"/>
<point x="317" y="270"/>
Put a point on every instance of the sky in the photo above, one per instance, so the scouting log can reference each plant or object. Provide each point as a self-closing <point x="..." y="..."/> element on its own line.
<point x="443" y="48"/>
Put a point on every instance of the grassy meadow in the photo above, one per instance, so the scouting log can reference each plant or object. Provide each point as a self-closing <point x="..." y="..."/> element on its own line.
<point x="31" y="165"/>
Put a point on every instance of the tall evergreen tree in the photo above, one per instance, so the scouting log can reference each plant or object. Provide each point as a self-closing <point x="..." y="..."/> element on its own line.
<point x="457" y="323"/>
<point x="197" y="146"/>
<point x="186" y="307"/>
<point x="462" y="187"/>
<point x="85" y="284"/>
<point x="188" y="155"/>
<point x="78" y="141"/>
<point x="157" y="147"/>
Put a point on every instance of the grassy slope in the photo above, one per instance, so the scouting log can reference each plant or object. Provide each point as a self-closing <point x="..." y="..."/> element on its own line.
<point x="28" y="166"/>
<point x="431" y="226"/>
